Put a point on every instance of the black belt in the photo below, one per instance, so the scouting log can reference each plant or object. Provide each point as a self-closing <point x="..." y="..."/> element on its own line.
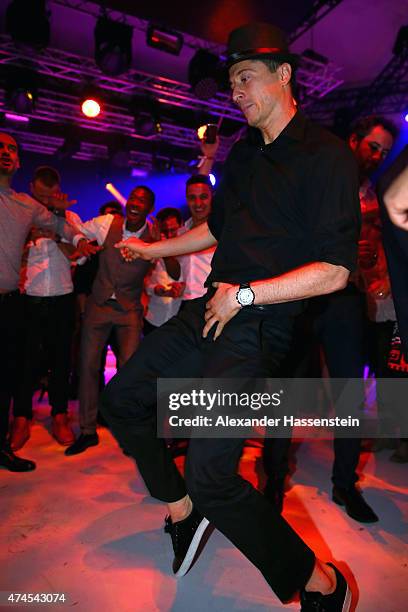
<point x="8" y="295"/>
<point x="35" y="299"/>
<point x="262" y="308"/>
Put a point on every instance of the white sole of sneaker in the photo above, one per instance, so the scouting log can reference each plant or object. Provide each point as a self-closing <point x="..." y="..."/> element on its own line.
<point x="192" y="549"/>
<point x="347" y="601"/>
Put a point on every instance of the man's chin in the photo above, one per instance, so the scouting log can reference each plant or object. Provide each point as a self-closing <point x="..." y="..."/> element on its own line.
<point x="201" y="218"/>
<point x="371" y="168"/>
<point x="6" y="171"/>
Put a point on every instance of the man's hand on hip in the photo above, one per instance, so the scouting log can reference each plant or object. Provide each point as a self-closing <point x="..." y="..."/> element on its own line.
<point x="222" y="307"/>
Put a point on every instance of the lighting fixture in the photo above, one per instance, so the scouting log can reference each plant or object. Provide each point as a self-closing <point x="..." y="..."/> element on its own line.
<point x="203" y="74"/>
<point x="164" y="39"/>
<point x="113" y="46"/>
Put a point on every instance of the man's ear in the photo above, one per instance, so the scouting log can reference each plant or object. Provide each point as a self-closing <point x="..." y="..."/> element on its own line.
<point x="353" y="141"/>
<point x="285" y="73"/>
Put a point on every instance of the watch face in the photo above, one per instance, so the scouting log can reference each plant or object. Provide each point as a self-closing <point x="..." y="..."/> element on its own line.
<point x="245" y="296"/>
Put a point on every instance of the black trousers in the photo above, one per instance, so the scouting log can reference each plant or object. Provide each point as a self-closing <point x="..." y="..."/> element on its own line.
<point x="230" y="503"/>
<point x="49" y="323"/>
<point x="11" y="333"/>
<point x="337" y="322"/>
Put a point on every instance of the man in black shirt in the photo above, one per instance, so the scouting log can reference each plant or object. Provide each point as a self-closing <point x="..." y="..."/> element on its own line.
<point x="286" y="220"/>
<point x="392" y="193"/>
<point x="336" y="323"/>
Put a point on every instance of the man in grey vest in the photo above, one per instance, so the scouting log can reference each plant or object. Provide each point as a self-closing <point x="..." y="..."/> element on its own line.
<point x="114" y="304"/>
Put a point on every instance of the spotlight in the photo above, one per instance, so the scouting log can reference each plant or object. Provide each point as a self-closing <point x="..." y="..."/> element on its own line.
<point x="116" y="193"/>
<point x="164" y="39"/>
<point x="203" y="74"/>
<point x="406" y="117"/>
<point x="27" y="21"/>
<point x="147" y="125"/>
<point x="147" y="119"/>
<point x="21" y="90"/>
<point x="212" y="178"/>
<point x="90" y="108"/>
<point x="69" y="147"/>
<point x="90" y="101"/>
<point x="113" y="46"/>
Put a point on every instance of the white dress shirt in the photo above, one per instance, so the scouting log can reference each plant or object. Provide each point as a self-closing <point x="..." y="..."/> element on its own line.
<point x="98" y="228"/>
<point x="45" y="271"/>
<point x="160" y="308"/>
<point x="195" y="268"/>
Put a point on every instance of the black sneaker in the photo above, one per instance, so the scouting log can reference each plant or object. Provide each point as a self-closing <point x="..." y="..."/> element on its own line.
<point x="355" y="504"/>
<point x="82" y="443"/>
<point x="186" y="537"/>
<point x="338" y="601"/>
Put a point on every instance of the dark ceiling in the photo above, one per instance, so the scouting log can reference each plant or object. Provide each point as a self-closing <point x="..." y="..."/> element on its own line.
<point x="213" y="19"/>
<point x="338" y="36"/>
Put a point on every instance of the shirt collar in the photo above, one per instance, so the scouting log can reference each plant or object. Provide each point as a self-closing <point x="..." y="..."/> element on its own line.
<point x="366" y="189"/>
<point x="139" y="231"/>
<point x="8" y="190"/>
<point x="294" y="130"/>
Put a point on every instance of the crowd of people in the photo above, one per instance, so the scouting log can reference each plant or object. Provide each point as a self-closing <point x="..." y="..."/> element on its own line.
<point x="74" y="307"/>
<point x="287" y="254"/>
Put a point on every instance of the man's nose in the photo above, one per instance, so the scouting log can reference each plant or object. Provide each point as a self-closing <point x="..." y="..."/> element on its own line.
<point x="377" y="155"/>
<point x="236" y="95"/>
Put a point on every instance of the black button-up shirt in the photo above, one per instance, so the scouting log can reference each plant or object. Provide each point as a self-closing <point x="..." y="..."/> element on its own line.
<point x="285" y="204"/>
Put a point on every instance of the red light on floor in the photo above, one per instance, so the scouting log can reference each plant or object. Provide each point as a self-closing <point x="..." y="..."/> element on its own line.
<point x="91" y="108"/>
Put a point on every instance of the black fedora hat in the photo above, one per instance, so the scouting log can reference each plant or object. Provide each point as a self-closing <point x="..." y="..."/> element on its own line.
<point x="258" y="40"/>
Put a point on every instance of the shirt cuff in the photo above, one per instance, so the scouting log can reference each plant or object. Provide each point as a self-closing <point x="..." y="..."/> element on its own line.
<point x="77" y="238"/>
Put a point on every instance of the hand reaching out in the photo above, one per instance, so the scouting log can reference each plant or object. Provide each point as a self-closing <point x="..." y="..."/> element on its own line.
<point x="134" y="248"/>
<point x="60" y="201"/>
<point x="86" y="249"/>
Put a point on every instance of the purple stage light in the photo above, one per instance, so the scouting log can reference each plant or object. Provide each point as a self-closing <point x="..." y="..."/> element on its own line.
<point x="15" y="117"/>
<point x="406" y="117"/>
<point x="139" y="172"/>
<point x="212" y="178"/>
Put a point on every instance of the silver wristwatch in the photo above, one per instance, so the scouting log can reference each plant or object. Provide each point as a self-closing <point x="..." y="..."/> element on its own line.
<point x="245" y="296"/>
